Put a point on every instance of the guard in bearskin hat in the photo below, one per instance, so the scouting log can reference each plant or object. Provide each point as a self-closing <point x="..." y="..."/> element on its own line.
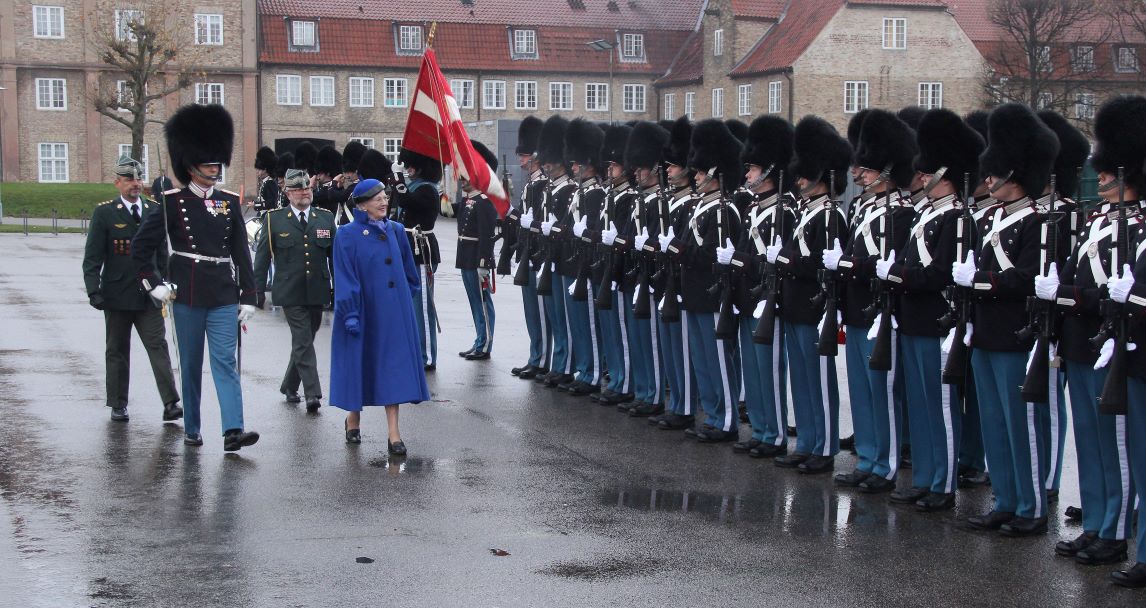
<point x="527" y="249"/>
<point x="819" y="169"/>
<point x="1017" y="163"/>
<point x="285" y="162"/>
<point x="477" y="227"/>
<point x="209" y="278"/>
<point x="306" y="157"/>
<point x="268" y="190"/>
<point x="328" y="165"/>
<point x="417" y="209"/>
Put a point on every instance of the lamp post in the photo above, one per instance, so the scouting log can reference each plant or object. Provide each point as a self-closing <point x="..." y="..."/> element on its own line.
<point x="605" y="45"/>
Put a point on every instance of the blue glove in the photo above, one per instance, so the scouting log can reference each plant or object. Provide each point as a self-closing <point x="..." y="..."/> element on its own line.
<point x="352" y="326"/>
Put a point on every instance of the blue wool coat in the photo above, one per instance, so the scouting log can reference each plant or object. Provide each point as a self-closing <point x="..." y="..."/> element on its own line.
<point x="374" y="278"/>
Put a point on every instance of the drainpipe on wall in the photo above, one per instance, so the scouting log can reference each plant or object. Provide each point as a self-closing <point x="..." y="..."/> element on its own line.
<point x="791" y="95"/>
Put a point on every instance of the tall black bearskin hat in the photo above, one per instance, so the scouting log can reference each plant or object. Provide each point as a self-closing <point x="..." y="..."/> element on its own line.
<point x="284" y="162"/>
<point x="666" y="124"/>
<point x="329" y="161"/>
<point x="429" y="169"/>
<point x="265" y="159"/>
<point x="769" y="144"/>
<point x="306" y="157"/>
<point x="352" y="155"/>
<point x="646" y="146"/>
<point x="818" y="150"/>
<point x="714" y="146"/>
<point x="199" y="135"/>
<point x="551" y="143"/>
<point x="374" y="165"/>
<point x="855" y="125"/>
<point x="978" y="120"/>
<point x="886" y="141"/>
<point x="1073" y="150"/>
<point x="680" y="136"/>
<point x="738" y="128"/>
<point x="911" y="115"/>
<point x="583" y="140"/>
<point x="1020" y="146"/>
<point x="946" y="141"/>
<point x="528" y="133"/>
<point x="1120" y="139"/>
<point x="489" y="157"/>
<point x="613" y="149"/>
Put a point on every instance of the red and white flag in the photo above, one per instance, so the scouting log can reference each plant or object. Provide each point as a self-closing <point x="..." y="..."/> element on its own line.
<point x="434" y="128"/>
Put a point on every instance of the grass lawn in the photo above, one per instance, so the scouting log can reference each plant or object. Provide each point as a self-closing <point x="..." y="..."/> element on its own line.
<point x="8" y="228"/>
<point x="71" y="201"/>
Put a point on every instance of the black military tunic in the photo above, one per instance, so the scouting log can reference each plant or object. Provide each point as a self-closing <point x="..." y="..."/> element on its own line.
<point x="801" y="259"/>
<point x="857" y="266"/>
<point x="1008" y="261"/>
<point x="417" y="209"/>
<point x="477" y="218"/>
<point x="923" y="268"/>
<point x="769" y="215"/>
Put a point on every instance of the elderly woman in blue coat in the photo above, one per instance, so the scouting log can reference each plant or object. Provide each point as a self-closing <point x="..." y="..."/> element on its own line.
<point x="376" y="358"/>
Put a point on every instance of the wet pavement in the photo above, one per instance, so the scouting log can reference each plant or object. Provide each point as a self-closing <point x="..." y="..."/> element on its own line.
<point x="513" y="495"/>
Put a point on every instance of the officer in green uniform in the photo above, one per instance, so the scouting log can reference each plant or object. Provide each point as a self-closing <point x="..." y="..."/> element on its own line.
<point x="109" y="276"/>
<point x="298" y="239"/>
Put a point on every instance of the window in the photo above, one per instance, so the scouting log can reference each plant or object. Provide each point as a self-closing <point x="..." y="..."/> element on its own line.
<point x="524" y="44"/>
<point x="690" y="104"/>
<point x="1084" y="106"/>
<point x="322" y="90"/>
<point x="48" y="21"/>
<point x="717" y="43"/>
<point x="366" y="141"/>
<point x="409" y="39"/>
<point x="930" y="95"/>
<point x="775" y="95"/>
<point x="1082" y="58"/>
<point x="1126" y="59"/>
<point x="394" y="92"/>
<point x="208" y="93"/>
<point x="894" y="33"/>
<point x="53" y="162"/>
<point x="493" y="95"/>
<point x="597" y="97"/>
<point x="208" y="29"/>
<point x="391" y="146"/>
<point x="288" y="90"/>
<point x="855" y="96"/>
<point x="51" y="94"/>
<point x="1044" y="101"/>
<point x="304" y="36"/>
<point x="718" y="103"/>
<point x="222" y="175"/>
<point x="1043" y="59"/>
<point x="670" y="106"/>
<point x="125" y="150"/>
<point x="744" y="99"/>
<point x="633" y="98"/>
<point x="633" y="47"/>
<point x="525" y="95"/>
<point x="561" y="96"/>
<point x="463" y="93"/>
<point x="123" y="96"/>
<point x="361" y="92"/>
<point x="123" y="20"/>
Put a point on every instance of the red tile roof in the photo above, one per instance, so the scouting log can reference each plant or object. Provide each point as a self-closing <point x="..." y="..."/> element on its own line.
<point x="370" y="43"/>
<point x="758" y="9"/>
<point x="903" y="3"/>
<point x="635" y="14"/>
<point x="786" y="41"/>
<point x="688" y="65"/>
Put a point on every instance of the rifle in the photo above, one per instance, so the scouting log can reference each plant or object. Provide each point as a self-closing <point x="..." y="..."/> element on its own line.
<point x="604" y="299"/>
<point x="669" y="307"/>
<point x="765" y="331"/>
<point x="642" y="307"/>
<point x="883" y="302"/>
<point x="955" y="370"/>
<point x="1036" y="384"/>
<point x="1113" y="399"/>
<point x="828" y="344"/>
<point x="581" y="283"/>
<point x="507" y="248"/>
<point x="545" y="275"/>
<point x="725" y="320"/>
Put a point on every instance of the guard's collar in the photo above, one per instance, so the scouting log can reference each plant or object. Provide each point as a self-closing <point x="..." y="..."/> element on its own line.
<point x="199" y="191"/>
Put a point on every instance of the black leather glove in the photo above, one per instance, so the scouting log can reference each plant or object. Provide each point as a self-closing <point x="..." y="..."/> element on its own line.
<point x="96" y="300"/>
<point x="261" y="299"/>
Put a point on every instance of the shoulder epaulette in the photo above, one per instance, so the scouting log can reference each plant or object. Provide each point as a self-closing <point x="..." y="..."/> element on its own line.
<point x="173" y="191"/>
<point x="228" y="192"/>
<point x="321" y="210"/>
<point x="106" y="202"/>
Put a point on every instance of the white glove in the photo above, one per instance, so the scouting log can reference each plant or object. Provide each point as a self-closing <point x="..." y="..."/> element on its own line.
<point x="873" y="331"/>
<point x="547" y="225"/>
<point x="246" y="313"/>
<point x="967" y="336"/>
<point x="759" y="312"/>
<point x="579" y="227"/>
<point x="832" y="256"/>
<point x="513" y="269"/>
<point x="642" y="238"/>
<point x="948" y="341"/>
<point x="483" y="274"/>
<point x="1107" y="351"/>
<point x="724" y="254"/>
<point x="883" y="267"/>
<point x="162" y="293"/>
<point x="823" y="319"/>
<point x="527" y="219"/>
<point x="964" y="272"/>
<point x="773" y="251"/>
<point x="665" y="239"/>
<point x="398" y="168"/>
<point x="1046" y="286"/>
<point x="1120" y="286"/>
<point x="609" y="235"/>
<point x="572" y="287"/>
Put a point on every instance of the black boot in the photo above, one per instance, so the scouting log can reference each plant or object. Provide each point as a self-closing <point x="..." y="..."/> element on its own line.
<point x="234" y="439"/>
<point x="1070" y="548"/>
<point x="1102" y="551"/>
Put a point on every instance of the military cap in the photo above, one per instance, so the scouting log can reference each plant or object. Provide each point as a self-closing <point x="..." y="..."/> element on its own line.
<point x="1120" y="139"/>
<point x="127" y="166"/>
<point x="1073" y="150"/>
<point x="769" y="145"/>
<point x="528" y="134"/>
<point x="1020" y="148"/>
<point x="485" y="153"/>
<point x="199" y="134"/>
<point x="265" y="159"/>
<point x="945" y="140"/>
<point x="646" y="145"/>
<point x="296" y="179"/>
<point x="887" y="143"/>
<point x="713" y="146"/>
<point x="818" y="150"/>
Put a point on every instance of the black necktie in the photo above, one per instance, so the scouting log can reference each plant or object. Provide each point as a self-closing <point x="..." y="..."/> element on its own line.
<point x="302" y="219"/>
<point x="135" y="213"/>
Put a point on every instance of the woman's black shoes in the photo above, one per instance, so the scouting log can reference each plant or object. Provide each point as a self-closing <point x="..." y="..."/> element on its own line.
<point x="396" y="448"/>
<point x="352" y="435"/>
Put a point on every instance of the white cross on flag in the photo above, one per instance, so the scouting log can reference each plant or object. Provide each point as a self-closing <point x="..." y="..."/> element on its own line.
<point x="446" y="140"/>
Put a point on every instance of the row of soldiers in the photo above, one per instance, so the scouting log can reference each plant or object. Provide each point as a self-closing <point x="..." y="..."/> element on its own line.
<point x="673" y="269"/>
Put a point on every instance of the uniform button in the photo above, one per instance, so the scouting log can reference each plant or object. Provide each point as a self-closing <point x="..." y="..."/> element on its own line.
<point x="194" y="247"/>
<point x="389" y="260"/>
<point x="185" y="218"/>
<point x="306" y="244"/>
<point x="391" y="284"/>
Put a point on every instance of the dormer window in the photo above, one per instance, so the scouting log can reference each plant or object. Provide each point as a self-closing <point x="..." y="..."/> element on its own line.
<point x="409" y="39"/>
<point x="633" y="47"/>
<point x="524" y="44"/>
<point x="304" y="36"/>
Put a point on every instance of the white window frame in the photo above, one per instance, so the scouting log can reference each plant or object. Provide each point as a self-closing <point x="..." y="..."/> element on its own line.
<point x="283" y="96"/>
<point x="632" y="47"/>
<point x="493" y="95"/>
<point x="670" y="106"/>
<point x="298" y="32"/>
<point x="207" y="90"/>
<point x="1044" y="59"/>
<point x="855" y="96"/>
<point x="1082" y="58"/>
<point x="205" y="25"/>
<point x="409" y="39"/>
<point x="1129" y="52"/>
<point x="122" y="95"/>
<point x="46" y="20"/>
<point x="718" y="43"/>
<point x="525" y="95"/>
<point x="122" y="18"/>
<point x="690" y="104"/>
<point x="324" y="87"/>
<point x="366" y="141"/>
<point x="560" y="96"/>
<point x="634" y="98"/>
<point x="463" y="89"/>
<point x="718" y="103"/>
<point x="49" y="92"/>
<point x="593" y="96"/>
<point x="1044" y="101"/>
<point x="930" y="95"/>
<point x="391" y="146"/>
<point x="895" y="33"/>
<point x="360" y="91"/>
<point x="775" y="96"/>
<point x="57" y="161"/>
<point x="125" y="150"/>
<point x="524" y="44"/>
<point x="395" y="92"/>
<point x="744" y="100"/>
<point x="1084" y="104"/>
<point x="222" y="175"/>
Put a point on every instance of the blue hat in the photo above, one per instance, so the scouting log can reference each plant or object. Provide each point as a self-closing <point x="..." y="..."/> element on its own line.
<point x="367" y="189"/>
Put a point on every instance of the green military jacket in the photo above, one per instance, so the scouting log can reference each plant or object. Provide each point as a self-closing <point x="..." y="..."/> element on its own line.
<point x="108" y="267"/>
<point x="303" y="260"/>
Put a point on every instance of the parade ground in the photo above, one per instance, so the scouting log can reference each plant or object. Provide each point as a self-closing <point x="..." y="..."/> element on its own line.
<point x="512" y="494"/>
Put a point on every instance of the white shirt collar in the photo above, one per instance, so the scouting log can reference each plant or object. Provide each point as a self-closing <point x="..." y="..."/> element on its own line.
<point x="305" y="212"/>
<point x="129" y="204"/>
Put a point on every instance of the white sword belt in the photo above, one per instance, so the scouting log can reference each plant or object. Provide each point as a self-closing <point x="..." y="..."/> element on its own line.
<point x="202" y="258"/>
